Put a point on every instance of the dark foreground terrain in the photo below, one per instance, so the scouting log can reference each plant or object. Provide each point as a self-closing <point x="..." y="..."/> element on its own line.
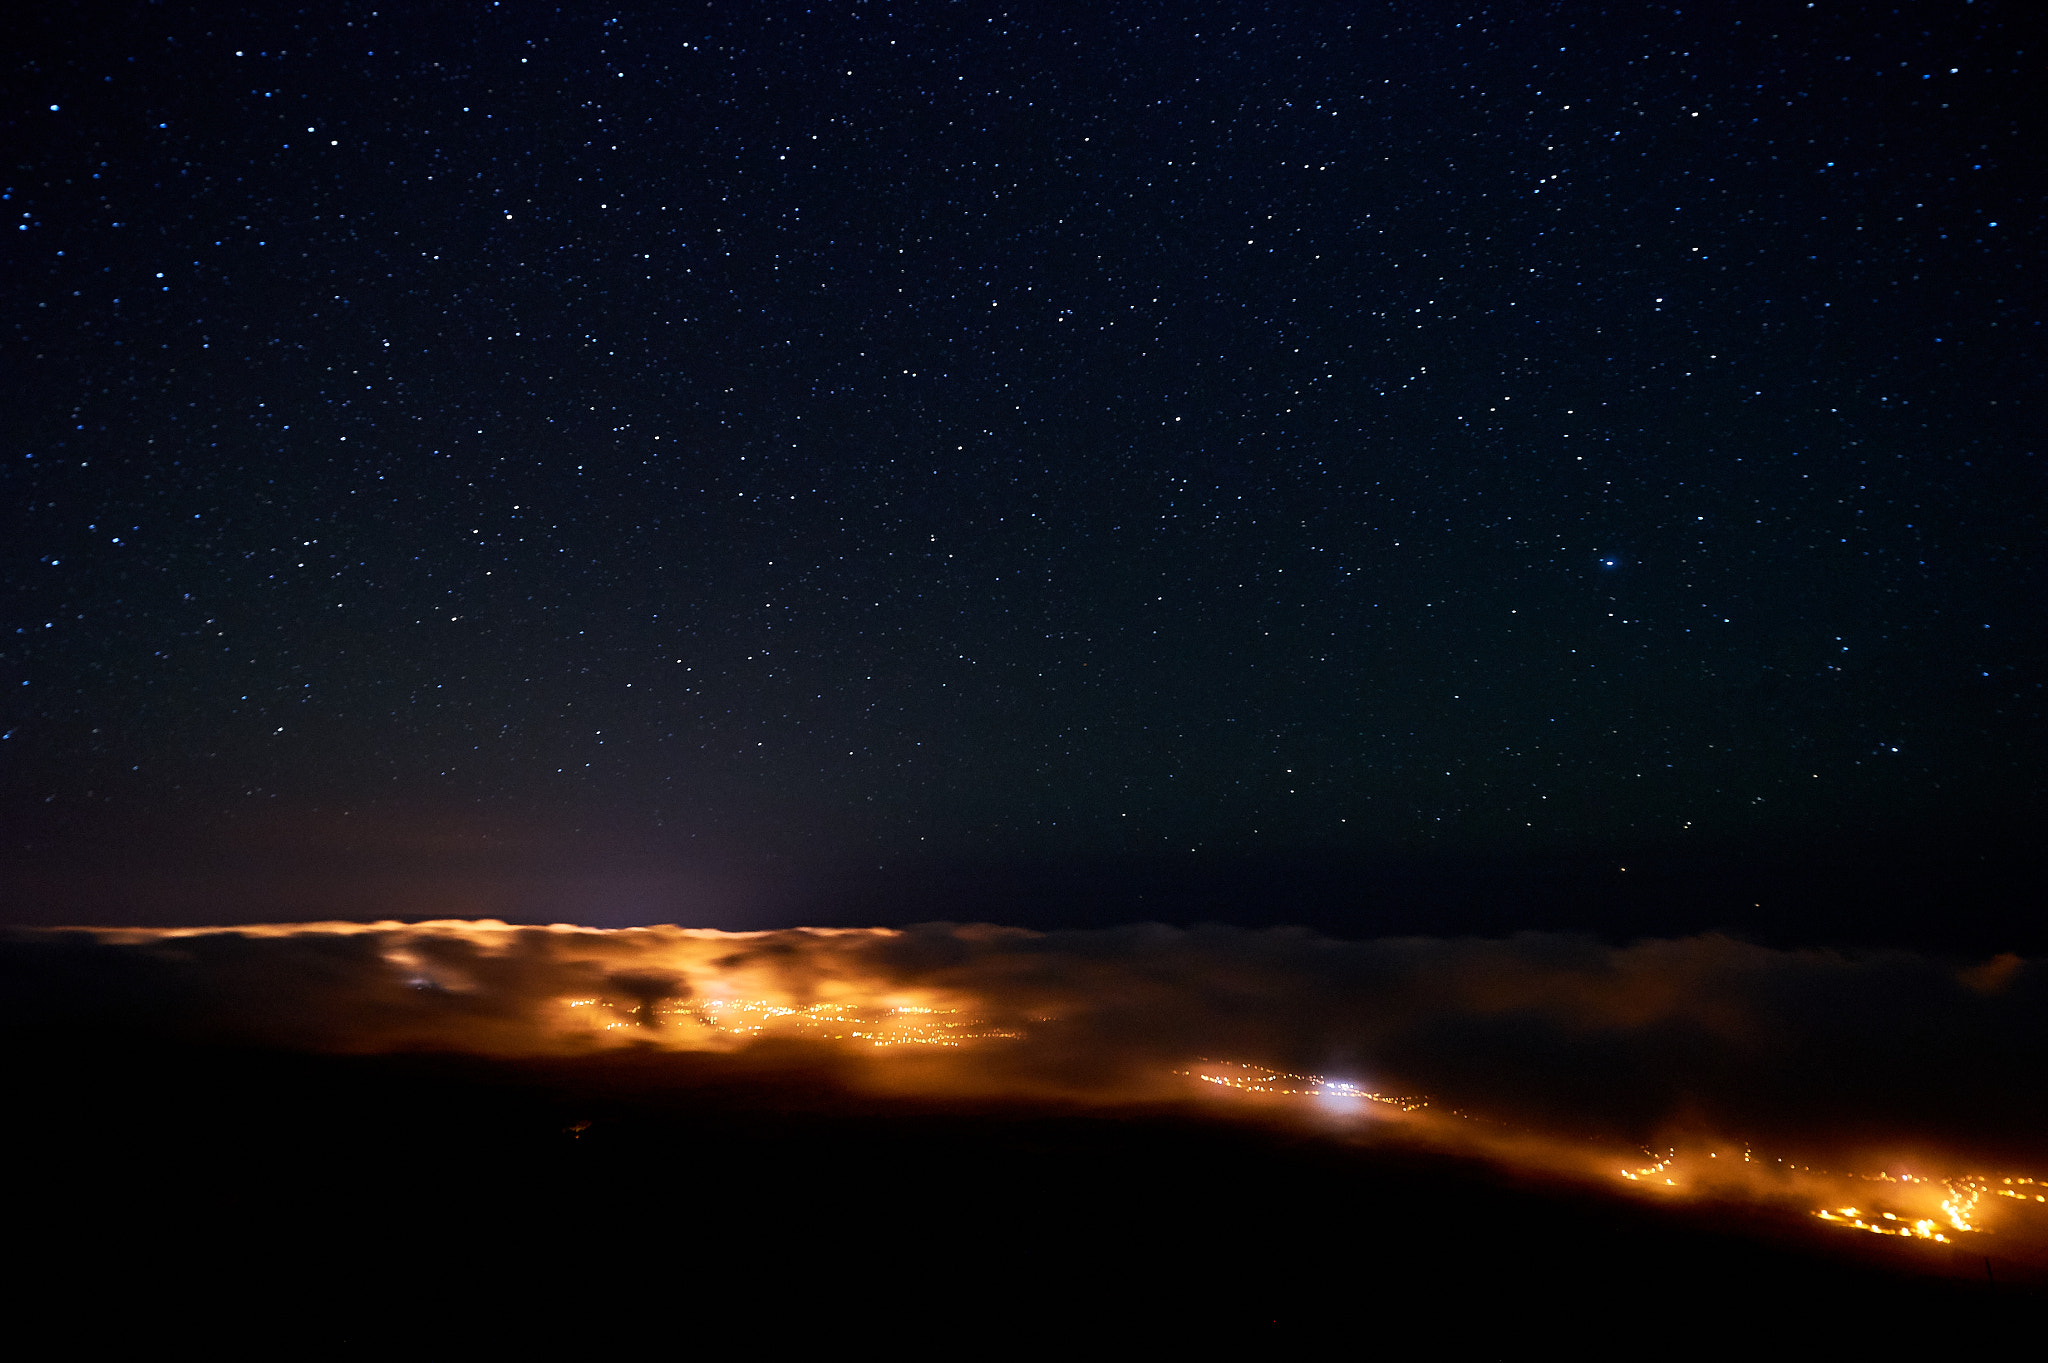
<point x="292" y="1205"/>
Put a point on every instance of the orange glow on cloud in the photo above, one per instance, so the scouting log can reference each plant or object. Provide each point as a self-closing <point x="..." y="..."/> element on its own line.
<point x="1878" y="1096"/>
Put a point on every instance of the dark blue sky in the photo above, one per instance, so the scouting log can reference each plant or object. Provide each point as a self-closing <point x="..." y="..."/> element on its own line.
<point x="657" y="447"/>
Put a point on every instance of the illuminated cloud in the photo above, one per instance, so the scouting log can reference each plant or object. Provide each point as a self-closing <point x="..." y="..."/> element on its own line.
<point x="1708" y="1063"/>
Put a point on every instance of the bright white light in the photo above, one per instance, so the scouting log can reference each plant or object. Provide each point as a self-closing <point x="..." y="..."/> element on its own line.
<point x="1338" y="1097"/>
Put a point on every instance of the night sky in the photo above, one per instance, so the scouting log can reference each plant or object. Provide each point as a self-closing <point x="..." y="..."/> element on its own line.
<point x="1390" y="467"/>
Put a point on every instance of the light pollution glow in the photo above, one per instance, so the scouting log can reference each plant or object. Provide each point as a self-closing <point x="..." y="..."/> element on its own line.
<point x="1214" y="1017"/>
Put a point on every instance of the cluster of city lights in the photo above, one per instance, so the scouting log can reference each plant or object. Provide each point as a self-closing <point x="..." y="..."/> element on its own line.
<point x="1650" y="1172"/>
<point x="1258" y="1079"/>
<point x="1958" y="1207"/>
<point x="1922" y="1229"/>
<point x="745" y="1019"/>
<point x="902" y="1025"/>
<point x="1909" y="1206"/>
<point x="2019" y="1195"/>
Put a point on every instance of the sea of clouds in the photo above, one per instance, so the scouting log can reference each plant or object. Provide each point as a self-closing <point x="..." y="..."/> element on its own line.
<point x="1803" y="1051"/>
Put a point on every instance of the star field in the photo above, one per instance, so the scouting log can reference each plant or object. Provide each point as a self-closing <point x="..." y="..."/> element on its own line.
<point x="898" y="431"/>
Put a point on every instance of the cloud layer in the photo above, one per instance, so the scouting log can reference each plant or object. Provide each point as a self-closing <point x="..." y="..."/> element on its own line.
<point x="1552" y="1033"/>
